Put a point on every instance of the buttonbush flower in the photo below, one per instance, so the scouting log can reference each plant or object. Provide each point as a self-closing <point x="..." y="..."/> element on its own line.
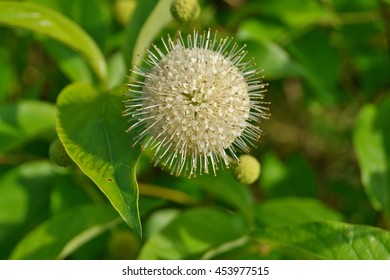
<point x="198" y="103"/>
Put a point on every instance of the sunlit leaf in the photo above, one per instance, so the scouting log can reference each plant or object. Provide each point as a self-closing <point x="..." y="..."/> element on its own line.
<point x="59" y="236"/>
<point x="43" y="20"/>
<point x="91" y="15"/>
<point x="329" y="240"/>
<point x="92" y="129"/>
<point x="21" y="122"/>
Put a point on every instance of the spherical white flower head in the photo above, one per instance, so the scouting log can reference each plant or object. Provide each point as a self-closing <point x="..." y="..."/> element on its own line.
<point x="197" y="104"/>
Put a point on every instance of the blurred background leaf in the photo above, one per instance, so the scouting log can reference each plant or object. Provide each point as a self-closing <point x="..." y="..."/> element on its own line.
<point x="51" y="240"/>
<point x="24" y="200"/>
<point x="293" y="211"/>
<point x="20" y="122"/>
<point x="148" y="20"/>
<point x="192" y="234"/>
<point x="371" y="141"/>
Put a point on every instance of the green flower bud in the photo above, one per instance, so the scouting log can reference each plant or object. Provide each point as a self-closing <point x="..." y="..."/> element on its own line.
<point x="123" y="245"/>
<point x="247" y="170"/>
<point x="58" y="154"/>
<point x="124" y="9"/>
<point x="185" y="11"/>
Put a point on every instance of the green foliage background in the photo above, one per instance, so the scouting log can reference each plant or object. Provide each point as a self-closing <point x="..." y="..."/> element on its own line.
<point x="324" y="189"/>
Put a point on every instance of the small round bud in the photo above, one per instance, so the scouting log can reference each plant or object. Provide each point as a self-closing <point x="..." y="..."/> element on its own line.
<point x="247" y="170"/>
<point x="58" y="154"/>
<point x="185" y="11"/>
<point x="124" y="9"/>
<point x="123" y="245"/>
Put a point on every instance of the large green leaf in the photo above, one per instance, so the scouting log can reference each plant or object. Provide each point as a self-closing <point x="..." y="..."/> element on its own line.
<point x="372" y="145"/>
<point x="147" y="21"/>
<point x="20" y="122"/>
<point x="59" y="236"/>
<point x="192" y="233"/>
<point x="40" y="19"/>
<point x="292" y="211"/>
<point x="329" y="240"/>
<point x="92" y="129"/>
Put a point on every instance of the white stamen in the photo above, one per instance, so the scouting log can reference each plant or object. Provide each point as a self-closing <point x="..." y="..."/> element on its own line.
<point x="198" y="104"/>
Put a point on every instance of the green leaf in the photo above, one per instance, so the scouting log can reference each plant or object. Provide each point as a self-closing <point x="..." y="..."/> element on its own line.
<point x="70" y="63"/>
<point x="92" y="129"/>
<point x="293" y="211"/>
<point x="160" y="219"/>
<point x="12" y="196"/>
<point x="226" y="188"/>
<point x="23" y="121"/>
<point x="24" y="200"/>
<point x="147" y="21"/>
<point x="192" y="233"/>
<point x="40" y="19"/>
<point x="7" y="73"/>
<point x="285" y="179"/>
<point x="355" y="6"/>
<point x="91" y="15"/>
<point x="275" y="61"/>
<point x="295" y="13"/>
<point x="330" y="240"/>
<point x="117" y="71"/>
<point x="371" y="141"/>
<point x="320" y="63"/>
<point x="260" y="30"/>
<point x="59" y="236"/>
<point x="269" y="56"/>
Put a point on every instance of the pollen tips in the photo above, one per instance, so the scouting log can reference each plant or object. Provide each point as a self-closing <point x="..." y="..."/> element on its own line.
<point x="197" y="99"/>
